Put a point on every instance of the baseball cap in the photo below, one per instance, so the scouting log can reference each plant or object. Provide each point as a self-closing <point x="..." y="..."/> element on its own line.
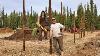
<point x="53" y="18"/>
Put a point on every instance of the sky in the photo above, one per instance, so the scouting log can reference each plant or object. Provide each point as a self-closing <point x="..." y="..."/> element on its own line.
<point x="39" y="5"/>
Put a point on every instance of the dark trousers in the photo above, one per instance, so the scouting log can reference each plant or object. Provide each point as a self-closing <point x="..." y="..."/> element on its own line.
<point x="45" y="33"/>
<point x="40" y="34"/>
<point x="58" y="44"/>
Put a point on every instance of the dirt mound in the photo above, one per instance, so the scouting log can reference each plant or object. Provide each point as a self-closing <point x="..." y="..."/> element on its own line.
<point x="5" y="30"/>
<point x="89" y="48"/>
<point x="18" y="35"/>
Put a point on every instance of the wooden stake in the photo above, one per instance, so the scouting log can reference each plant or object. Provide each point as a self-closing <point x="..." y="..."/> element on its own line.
<point x="50" y="18"/>
<point x="74" y="27"/>
<point x="81" y="27"/>
<point x="23" y="41"/>
<point x="61" y="8"/>
<point x="50" y="12"/>
<point x="24" y="24"/>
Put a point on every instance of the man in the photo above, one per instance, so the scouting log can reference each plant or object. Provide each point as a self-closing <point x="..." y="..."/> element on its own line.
<point x="57" y="36"/>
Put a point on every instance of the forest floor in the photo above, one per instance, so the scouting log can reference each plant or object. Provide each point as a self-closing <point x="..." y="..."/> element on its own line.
<point x="86" y="46"/>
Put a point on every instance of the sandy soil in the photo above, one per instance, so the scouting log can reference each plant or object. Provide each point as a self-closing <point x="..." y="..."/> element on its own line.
<point x="38" y="48"/>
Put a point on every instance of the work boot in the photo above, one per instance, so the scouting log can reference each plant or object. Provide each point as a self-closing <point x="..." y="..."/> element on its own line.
<point x="58" y="54"/>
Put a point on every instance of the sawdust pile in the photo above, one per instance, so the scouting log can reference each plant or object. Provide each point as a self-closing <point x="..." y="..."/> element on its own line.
<point x="18" y="35"/>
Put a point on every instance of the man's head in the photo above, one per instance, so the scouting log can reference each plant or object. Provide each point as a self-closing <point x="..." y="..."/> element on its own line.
<point x="53" y="20"/>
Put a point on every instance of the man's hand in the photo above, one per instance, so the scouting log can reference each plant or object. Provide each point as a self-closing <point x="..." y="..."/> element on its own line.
<point x="61" y="33"/>
<point x="63" y="29"/>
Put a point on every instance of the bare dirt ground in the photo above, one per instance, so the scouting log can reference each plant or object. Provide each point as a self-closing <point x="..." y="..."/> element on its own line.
<point x="86" y="46"/>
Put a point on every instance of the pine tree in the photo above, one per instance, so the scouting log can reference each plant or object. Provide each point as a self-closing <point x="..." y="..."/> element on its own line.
<point x="32" y="19"/>
<point x="64" y="16"/>
<point x="67" y="12"/>
<point x="14" y="20"/>
<point x="57" y="16"/>
<point x="95" y="11"/>
<point x="92" y="5"/>
<point x="88" y="17"/>
<point x="2" y="17"/>
<point x="80" y="15"/>
<point x="95" y="15"/>
<point x="96" y="18"/>
<point x="6" y="21"/>
<point x="92" y="15"/>
<point x="69" y="19"/>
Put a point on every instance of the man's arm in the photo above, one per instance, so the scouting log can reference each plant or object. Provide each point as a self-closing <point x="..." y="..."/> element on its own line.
<point x="62" y="27"/>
